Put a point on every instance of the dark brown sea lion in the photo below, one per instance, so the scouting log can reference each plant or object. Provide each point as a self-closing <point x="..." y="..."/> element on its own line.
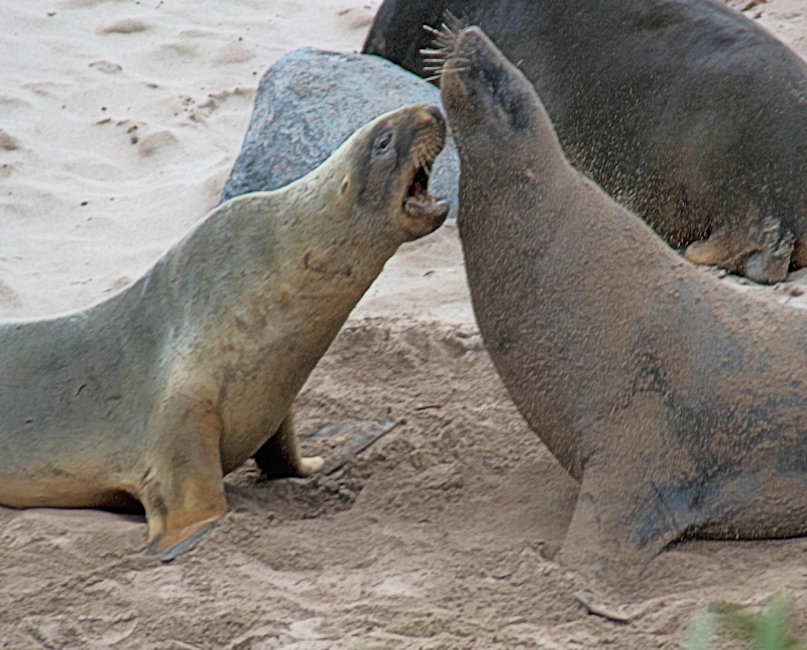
<point x="687" y="112"/>
<point x="679" y="403"/>
<point x="156" y="393"/>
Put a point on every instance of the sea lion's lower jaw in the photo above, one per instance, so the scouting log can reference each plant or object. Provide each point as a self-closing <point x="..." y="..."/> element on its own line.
<point x="418" y="203"/>
<point x="428" y="207"/>
<point x="423" y="214"/>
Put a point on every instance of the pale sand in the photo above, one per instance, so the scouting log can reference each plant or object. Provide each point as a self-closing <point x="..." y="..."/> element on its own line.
<point x="119" y="122"/>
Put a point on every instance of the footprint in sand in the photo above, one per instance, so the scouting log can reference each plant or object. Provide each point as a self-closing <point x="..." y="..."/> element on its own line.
<point x="156" y="142"/>
<point x="121" y="283"/>
<point x="125" y="26"/>
<point x="184" y="52"/>
<point x="148" y="142"/>
<point x="107" y="67"/>
<point x="216" y="100"/>
<point x="8" y="297"/>
<point x="233" y="52"/>
<point x="7" y="143"/>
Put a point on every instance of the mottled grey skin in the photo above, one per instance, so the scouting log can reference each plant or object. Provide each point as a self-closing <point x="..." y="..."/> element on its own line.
<point x="679" y="403"/>
<point x="686" y="111"/>
<point x="156" y="393"/>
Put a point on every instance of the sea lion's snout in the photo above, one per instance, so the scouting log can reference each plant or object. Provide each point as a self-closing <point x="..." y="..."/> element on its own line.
<point x="455" y="59"/>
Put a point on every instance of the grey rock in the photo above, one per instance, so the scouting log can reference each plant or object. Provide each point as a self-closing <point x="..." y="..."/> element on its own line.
<point x="310" y="101"/>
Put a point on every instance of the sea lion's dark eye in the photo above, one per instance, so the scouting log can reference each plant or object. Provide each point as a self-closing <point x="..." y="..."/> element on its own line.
<point x="382" y="142"/>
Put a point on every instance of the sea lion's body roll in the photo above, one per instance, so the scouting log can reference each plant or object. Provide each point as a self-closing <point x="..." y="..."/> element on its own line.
<point x="679" y="403"/>
<point x="687" y="112"/>
<point x="156" y="393"/>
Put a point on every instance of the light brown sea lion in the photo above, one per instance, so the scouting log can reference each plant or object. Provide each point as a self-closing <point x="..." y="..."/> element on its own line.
<point x="679" y="403"/>
<point x="686" y="111"/>
<point x="156" y="393"/>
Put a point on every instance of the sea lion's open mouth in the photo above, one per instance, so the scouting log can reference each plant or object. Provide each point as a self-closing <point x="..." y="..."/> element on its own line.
<point x="422" y="210"/>
<point x="418" y="202"/>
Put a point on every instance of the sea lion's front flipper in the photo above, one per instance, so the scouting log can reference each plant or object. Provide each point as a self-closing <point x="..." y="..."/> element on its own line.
<point x="599" y="542"/>
<point x="623" y="518"/>
<point x="183" y="492"/>
<point x="184" y="546"/>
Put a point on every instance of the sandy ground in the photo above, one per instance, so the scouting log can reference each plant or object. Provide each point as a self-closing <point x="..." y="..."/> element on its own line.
<point x="119" y="122"/>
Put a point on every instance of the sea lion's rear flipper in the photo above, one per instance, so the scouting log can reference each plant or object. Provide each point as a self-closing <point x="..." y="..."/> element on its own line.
<point x="345" y="440"/>
<point x="279" y="457"/>
<point x="771" y="262"/>
<point x="338" y="441"/>
<point x="183" y="493"/>
<point x="724" y="248"/>
<point x="762" y="255"/>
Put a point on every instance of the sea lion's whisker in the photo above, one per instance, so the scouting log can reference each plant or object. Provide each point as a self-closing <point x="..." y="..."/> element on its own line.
<point x="439" y="74"/>
<point x="436" y="32"/>
<point x="452" y="23"/>
<point x="437" y="65"/>
<point x="444" y="39"/>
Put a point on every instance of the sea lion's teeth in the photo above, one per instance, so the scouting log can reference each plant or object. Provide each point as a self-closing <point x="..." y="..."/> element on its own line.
<point x="424" y="206"/>
<point x="414" y="207"/>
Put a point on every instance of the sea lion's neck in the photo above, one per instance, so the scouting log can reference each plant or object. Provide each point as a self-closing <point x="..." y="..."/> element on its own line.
<point x="335" y="254"/>
<point x="261" y="264"/>
<point x="509" y="220"/>
<point x="301" y="236"/>
<point x="493" y="196"/>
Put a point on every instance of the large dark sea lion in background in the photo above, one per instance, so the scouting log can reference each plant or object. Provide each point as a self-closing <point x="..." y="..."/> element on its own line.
<point x="679" y="403"/>
<point x="687" y="112"/>
<point x="156" y="393"/>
